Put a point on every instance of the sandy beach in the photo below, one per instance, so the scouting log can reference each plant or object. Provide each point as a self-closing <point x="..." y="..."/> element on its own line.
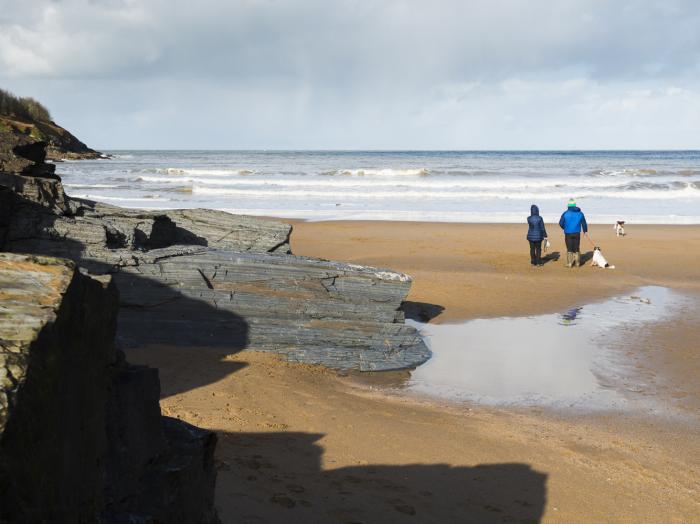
<point x="304" y="444"/>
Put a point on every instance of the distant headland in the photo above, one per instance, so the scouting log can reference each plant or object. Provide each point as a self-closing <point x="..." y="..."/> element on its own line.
<point x="24" y="120"/>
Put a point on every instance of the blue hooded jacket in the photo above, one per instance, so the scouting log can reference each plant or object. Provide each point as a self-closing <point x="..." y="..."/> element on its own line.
<point x="572" y="221"/>
<point x="536" y="231"/>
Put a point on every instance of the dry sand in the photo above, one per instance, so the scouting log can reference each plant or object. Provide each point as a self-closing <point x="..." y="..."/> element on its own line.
<point x="301" y="444"/>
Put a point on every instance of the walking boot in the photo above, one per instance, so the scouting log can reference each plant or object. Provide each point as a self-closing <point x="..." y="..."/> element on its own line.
<point x="577" y="259"/>
<point x="569" y="259"/>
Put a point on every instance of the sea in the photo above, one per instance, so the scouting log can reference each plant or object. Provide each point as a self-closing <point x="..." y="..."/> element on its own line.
<point x="640" y="187"/>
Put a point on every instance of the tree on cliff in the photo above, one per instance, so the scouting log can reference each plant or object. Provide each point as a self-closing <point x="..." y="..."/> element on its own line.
<point x="23" y="107"/>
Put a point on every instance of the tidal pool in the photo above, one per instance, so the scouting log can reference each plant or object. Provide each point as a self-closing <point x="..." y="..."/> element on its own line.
<point x="577" y="358"/>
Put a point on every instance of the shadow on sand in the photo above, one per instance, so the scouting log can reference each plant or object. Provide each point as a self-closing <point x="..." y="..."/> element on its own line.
<point x="421" y="311"/>
<point x="279" y="477"/>
<point x="551" y="257"/>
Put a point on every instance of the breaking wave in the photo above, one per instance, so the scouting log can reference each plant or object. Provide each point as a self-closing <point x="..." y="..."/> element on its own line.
<point x="378" y="172"/>
<point x="203" y="172"/>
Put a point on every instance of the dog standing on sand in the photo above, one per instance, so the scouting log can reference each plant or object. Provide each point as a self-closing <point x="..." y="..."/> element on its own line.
<point x="619" y="228"/>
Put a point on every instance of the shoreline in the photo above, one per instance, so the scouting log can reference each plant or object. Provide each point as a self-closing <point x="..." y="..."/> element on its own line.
<point x="483" y="271"/>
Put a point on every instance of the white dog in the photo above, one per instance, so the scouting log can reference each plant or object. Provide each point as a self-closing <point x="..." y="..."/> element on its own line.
<point x="599" y="260"/>
<point x="619" y="228"/>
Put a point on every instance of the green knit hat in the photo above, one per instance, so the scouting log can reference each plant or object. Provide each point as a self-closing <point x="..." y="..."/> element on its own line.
<point x="572" y="202"/>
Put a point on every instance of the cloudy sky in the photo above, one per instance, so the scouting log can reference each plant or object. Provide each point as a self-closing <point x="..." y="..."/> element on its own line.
<point x="352" y="74"/>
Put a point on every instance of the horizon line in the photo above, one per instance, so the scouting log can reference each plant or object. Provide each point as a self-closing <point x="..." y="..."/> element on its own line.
<point x="333" y="150"/>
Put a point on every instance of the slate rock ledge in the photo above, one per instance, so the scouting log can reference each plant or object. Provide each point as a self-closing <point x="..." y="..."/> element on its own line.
<point x="202" y="277"/>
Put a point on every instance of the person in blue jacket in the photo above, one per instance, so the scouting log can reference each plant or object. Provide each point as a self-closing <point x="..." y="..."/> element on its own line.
<point x="572" y="221"/>
<point x="536" y="233"/>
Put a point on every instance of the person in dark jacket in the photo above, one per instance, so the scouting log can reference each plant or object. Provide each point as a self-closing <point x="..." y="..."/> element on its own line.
<point x="536" y="233"/>
<point x="572" y="221"/>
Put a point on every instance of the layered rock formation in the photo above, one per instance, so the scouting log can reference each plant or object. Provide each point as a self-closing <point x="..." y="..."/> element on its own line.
<point x="81" y="434"/>
<point x="203" y="277"/>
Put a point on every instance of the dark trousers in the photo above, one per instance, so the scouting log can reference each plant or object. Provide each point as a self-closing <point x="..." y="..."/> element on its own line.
<point x="573" y="242"/>
<point x="535" y="252"/>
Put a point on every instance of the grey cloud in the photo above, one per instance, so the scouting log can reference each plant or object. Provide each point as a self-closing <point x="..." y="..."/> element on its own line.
<point x="351" y="73"/>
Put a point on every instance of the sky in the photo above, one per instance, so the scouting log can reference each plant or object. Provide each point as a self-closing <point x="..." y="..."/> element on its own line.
<point x="351" y="74"/>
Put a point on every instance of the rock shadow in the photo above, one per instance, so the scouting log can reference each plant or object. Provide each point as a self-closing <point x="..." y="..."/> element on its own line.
<point x="279" y="477"/>
<point x="421" y="311"/>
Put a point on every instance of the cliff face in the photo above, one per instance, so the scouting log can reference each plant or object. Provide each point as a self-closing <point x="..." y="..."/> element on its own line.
<point x="81" y="434"/>
<point x="56" y="339"/>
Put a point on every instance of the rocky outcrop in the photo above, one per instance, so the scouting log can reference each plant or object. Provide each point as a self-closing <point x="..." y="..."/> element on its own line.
<point x="59" y="143"/>
<point x="202" y="227"/>
<point x="309" y="310"/>
<point x="81" y="434"/>
<point x="202" y="277"/>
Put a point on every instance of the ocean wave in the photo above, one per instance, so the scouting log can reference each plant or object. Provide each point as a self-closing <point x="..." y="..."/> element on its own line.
<point x="378" y="172"/>
<point x="643" y="173"/>
<point x="93" y="186"/>
<point x="147" y="198"/>
<point x="447" y="216"/>
<point x="203" y="171"/>
<point x="643" y="194"/>
<point x="373" y="184"/>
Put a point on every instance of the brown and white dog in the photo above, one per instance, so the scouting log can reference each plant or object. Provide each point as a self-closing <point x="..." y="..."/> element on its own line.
<point x="619" y="228"/>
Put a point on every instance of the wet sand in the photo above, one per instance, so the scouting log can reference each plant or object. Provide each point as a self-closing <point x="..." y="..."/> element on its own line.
<point x="482" y="270"/>
<point x="300" y="444"/>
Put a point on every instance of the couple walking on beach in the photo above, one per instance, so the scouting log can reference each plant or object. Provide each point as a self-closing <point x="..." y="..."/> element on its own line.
<point x="572" y="221"/>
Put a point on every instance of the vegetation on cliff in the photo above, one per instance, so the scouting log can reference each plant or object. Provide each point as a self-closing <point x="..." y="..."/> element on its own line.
<point x="25" y="120"/>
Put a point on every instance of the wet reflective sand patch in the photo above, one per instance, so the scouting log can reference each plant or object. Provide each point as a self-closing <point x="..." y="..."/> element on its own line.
<point x="579" y="358"/>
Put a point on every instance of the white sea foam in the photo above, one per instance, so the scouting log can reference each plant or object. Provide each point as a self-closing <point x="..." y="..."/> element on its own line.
<point x="687" y="192"/>
<point x="109" y="198"/>
<point x="202" y="171"/>
<point x="364" y="183"/>
<point x="450" y="216"/>
<point x="91" y="186"/>
<point x="379" y="172"/>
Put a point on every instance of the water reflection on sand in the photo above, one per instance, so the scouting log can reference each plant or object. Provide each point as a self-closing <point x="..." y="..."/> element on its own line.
<point x="573" y="359"/>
